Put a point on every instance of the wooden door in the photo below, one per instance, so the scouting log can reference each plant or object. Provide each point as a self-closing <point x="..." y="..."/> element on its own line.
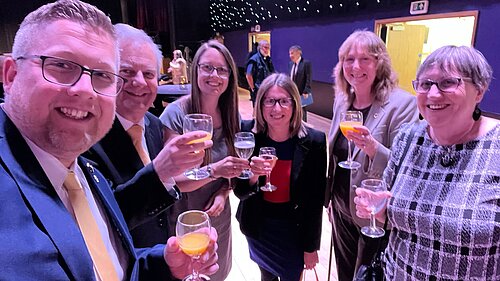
<point x="404" y="44"/>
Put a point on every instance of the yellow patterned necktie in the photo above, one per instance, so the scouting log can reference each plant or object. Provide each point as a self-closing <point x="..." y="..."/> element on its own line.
<point x="135" y="133"/>
<point x="90" y="231"/>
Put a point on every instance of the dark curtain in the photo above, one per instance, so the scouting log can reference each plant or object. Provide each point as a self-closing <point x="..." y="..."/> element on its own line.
<point x="152" y="15"/>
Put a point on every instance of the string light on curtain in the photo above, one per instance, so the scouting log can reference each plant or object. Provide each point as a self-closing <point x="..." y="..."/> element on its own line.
<point x="226" y="15"/>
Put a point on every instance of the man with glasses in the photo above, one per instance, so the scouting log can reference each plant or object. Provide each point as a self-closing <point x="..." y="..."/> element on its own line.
<point x="133" y="150"/>
<point x="59" y="219"/>
<point x="259" y="66"/>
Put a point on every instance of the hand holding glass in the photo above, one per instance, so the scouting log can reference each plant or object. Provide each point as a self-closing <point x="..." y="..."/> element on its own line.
<point x="374" y="195"/>
<point x="348" y="120"/>
<point x="244" y="143"/>
<point x="197" y="122"/>
<point x="193" y="235"/>
<point x="269" y="155"/>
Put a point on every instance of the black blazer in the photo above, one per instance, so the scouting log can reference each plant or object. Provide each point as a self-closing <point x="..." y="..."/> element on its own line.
<point x="303" y="76"/>
<point x="142" y="205"/>
<point x="308" y="182"/>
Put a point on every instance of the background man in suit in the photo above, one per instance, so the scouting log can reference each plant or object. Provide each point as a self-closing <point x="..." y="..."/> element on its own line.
<point x="301" y="72"/>
<point x="126" y="157"/>
<point x="60" y="88"/>
<point x="259" y="66"/>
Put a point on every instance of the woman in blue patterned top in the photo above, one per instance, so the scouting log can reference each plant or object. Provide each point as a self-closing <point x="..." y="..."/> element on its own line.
<point x="445" y="204"/>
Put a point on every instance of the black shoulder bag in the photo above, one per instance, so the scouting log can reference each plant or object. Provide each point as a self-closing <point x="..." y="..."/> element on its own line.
<point x="375" y="271"/>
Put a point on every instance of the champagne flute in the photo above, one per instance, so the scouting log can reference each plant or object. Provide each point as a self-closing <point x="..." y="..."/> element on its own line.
<point x="348" y="120"/>
<point x="193" y="235"/>
<point x="197" y="122"/>
<point x="374" y="189"/>
<point x="244" y="143"/>
<point x="268" y="154"/>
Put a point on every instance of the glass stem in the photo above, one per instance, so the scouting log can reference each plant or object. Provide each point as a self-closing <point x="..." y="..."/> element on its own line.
<point x="349" y="153"/>
<point x="373" y="222"/>
<point x="195" y="274"/>
<point x="268" y="178"/>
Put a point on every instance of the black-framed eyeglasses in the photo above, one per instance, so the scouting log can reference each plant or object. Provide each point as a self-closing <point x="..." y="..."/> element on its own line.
<point x="222" y="72"/>
<point x="67" y="73"/>
<point x="449" y="84"/>
<point x="284" y="102"/>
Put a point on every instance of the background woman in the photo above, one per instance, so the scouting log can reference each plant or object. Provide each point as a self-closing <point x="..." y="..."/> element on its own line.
<point x="178" y="68"/>
<point x="364" y="81"/>
<point x="444" y="209"/>
<point x="214" y="92"/>
<point x="283" y="227"/>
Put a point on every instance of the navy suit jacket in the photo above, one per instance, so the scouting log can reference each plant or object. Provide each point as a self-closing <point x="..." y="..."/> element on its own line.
<point x="303" y="79"/>
<point x="143" y="205"/>
<point x="39" y="239"/>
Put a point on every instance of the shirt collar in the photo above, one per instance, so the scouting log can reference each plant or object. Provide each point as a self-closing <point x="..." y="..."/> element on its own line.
<point x="53" y="168"/>
<point x="127" y="123"/>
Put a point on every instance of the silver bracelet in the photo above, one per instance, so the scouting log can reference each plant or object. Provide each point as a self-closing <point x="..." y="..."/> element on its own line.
<point x="210" y="171"/>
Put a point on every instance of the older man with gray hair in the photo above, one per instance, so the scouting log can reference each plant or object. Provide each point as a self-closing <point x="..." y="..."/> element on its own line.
<point x="259" y="66"/>
<point x="134" y="150"/>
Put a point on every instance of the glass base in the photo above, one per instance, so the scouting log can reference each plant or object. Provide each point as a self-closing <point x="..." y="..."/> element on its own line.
<point x="245" y="174"/>
<point x="351" y="165"/>
<point x="196" y="174"/>
<point x="268" y="187"/>
<point x="373" y="232"/>
<point x="201" y="277"/>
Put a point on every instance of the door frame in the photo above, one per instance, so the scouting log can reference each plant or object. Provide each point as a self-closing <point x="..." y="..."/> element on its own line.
<point x="474" y="13"/>
<point x="253" y="37"/>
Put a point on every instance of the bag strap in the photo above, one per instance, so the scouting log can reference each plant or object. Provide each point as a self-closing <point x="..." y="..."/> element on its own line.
<point x="331" y="254"/>
<point x="303" y="274"/>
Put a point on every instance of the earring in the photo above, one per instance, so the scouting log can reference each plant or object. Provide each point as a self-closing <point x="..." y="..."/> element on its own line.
<point x="477" y="113"/>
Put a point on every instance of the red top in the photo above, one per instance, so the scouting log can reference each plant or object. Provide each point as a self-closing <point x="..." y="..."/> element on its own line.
<point x="280" y="177"/>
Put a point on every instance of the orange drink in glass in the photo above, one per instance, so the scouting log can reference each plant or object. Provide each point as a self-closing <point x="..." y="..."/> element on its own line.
<point x="348" y="120"/>
<point x="193" y="235"/>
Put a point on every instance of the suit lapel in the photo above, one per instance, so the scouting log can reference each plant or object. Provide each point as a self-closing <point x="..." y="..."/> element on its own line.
<point x="300" y="68"/>
<point x="120" y="149"/>
<point x="372" y="120"/>
<point x="153" y="137"/>
<point x="299" y="155"/>
<point x="46" y="206"/>
<point x="102" y="191"/>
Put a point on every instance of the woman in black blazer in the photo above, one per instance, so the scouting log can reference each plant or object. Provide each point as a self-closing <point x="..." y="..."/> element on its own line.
<point x="283" y="227"/>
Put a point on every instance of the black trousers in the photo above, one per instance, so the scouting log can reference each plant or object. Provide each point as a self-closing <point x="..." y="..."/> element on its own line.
<point x="267" y="276"/>
<point x="253" y="96"/>
<point x="352" y="249"/>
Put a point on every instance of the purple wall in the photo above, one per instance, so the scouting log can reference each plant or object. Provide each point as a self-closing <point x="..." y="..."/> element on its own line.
<point x="321" y="38"/>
